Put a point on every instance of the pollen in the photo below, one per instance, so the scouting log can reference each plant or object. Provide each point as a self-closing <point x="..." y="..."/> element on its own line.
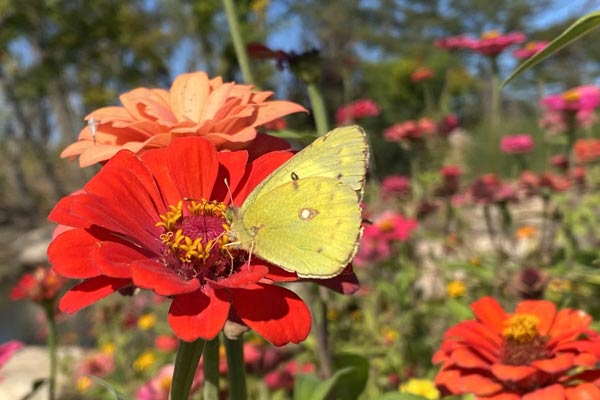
<point x="521" y="328"/>
<point x="490" y="34"/>
<point x="194" y="236"/>
<point x="571" y="95"/>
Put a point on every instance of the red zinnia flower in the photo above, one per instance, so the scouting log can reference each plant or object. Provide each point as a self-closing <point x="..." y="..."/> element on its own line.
<point x="227" y="114"/>
<point x="492" y="43"/>
<point x="40" y="286"/>
<point x="536" y="352"/>
<point x="587" y="150"/>
<point x="360" y="108"/>
<point x="421" y="74"/>
<point x="158" y="221"/>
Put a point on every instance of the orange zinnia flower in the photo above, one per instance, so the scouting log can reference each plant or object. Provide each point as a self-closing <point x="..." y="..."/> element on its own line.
<point x="533" y="353"/>
<point x="225" y="113"/>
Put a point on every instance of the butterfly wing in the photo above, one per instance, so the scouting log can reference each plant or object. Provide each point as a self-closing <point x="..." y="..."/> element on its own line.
<point x="341" y="154"/>
<point x="310" y="226"/>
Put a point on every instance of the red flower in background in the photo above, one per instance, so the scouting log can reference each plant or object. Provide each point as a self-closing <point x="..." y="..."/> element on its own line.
<point x="554" y="182"/>
<point x="455" y="42"/>
<point x="448" y="124"/>
<point x="227" y="114"/>
<point x="42" y="285"/>
<point x="358" y="109"/>
<point x="516" y="144"/>
<point x="158" y="388"/>
<point x="560" y="161"/>
<point x="157" y="221"/>
<point x="421" y="74"/>
<point x="530" y="49"/>
<point x="488" y="188"/>
<point x="492" y="43"/>
<point x="395" y="185"/>
<point x="283" y="378"/>
<point x="450" y="181"/>
<point x="536" y="352"/>
<point x="586" y="150"/>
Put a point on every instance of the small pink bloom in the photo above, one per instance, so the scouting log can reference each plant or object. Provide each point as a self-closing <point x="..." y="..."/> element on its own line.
<point x="576" y="99"/>
<point x="455" y="42"/>
<point x="578" y="176"/>
<point x="358" y="109"/>
<point x="166" y="343"/>
<point x="484" y="188"/>
<point x="394" y="185"/>
<point x="493" y="43"/>
<point x="283" y="378"/>
<point x="516" y="144"/>
<point x="158" y="388"/>
<point x="587" y="150"/>
<point x="41" y="285"/>
<point x="530" y="49"/>
<point x="448" y="124"/>
<point x="554" y="182"/>
<point x="450" y="180"/>
<point x="97" y="364"/>
<point x="410" y="130"/>
<point x="560" y="161"/>
<point x="529" y="182"/>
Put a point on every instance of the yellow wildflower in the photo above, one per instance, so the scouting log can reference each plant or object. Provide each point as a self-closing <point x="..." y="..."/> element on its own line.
<point x="107" y="348"/>
<point x="525" y="232"/>
<point x="144" y="361"/>
<point x="420" y="387"/>
<point x="146" y="321"/>
<point x="456" y="289"/>
<point x="83" y="383"/>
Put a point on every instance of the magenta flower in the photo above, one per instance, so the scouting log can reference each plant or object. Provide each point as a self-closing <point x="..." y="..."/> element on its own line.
<point x="395" y="185"/>
<point x="530" y="49"/>
<point x="448" y="124"/>
<point x="577" y="99"/>
<point x="410" y="130"/>
<point x="450" y="181"/>
<point x="358" y="109"/>
<point x="158" y="387"/>
<point x="493" y="43"/>
<point x="516" y="144"/>
<point x="7" y="350"/>
<point x="455" y="42"/>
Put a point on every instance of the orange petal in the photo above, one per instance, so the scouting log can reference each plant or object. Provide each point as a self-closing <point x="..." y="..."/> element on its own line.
<point x="188" y="95"/>
<point x="512" y="373"/>
<point x="558" y="364"/>
<point x="544" y="310"/>
<point x="489" y="312"/>
<point x="585" y="391"/>
<point x="554" y="392"/>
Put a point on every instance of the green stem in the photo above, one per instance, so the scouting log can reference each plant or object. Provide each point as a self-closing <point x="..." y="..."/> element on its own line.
<point x="238" y="42"/>
<point x="321" y="331"/>
<point x="211" y="370"/>
<point x="52" y="347"/>
<point x="495" y="94"/>
<point x="236" y="369"/>
<point x="186" y="362"/>
<point x="318" y="108"/>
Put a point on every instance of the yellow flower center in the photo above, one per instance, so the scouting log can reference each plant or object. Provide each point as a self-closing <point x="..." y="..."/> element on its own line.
<point x="83" y="383"/>
<point x="386" y="225"/>
<point x="521" y="328"/>
<point x="195" y="238"/>
<point x="531" y="46"/>
<point x="420" y="387"/>
<point x="490" y="34"/>
<point x="571" y="95"/>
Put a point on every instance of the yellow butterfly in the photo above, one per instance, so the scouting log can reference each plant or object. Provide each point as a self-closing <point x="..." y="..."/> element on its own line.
<point x="306" y="217"/>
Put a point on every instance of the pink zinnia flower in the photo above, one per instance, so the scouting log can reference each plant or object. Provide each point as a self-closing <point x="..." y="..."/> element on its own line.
<point x="410" y="130"/>
<point x="358" y="109"/>
<point x="530" y="49"/>
<point x="455" y="42"/>
<point x="576" y="99"/>
<point x="395" y="185"/>
<point x="448" y="124"/>
<point x="450" y="180"/>
<point x="516" y="144"/>
<point x="283" y="378"/>
<point x="493" y="43"/>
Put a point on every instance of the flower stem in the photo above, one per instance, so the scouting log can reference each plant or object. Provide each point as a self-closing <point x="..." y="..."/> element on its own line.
<point x="318" y="108"/>
<point x="211" y="370"/>
<point x="495" y="94"/>
<point x="52" y="348"/>
<point x="321" y="331"/>
<point x="236" y="369"/>
<point x="238" y="42"/>
<point x="186" y="362"/>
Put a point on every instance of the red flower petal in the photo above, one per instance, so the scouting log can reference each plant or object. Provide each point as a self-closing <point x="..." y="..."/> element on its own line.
<point x="150" y="274"/>
<point x="264" y="144"/>
<point x="274" y="312"/>
<point x="467" y="358"/>
<point x="556" y="365"/>
<point x="259" y="169"/>
<point x="554" y="392"/>
<point x="114" y="259"/>
<point x="70" y="253"/>
<point x="584" y="391"/>
<point x="232" y="168"/>
<point x="544" y="310"/>
<point x="512" y="373"/>
<point x="489" y="312"/>
<point x="155" y="162"/>
<point x="193" y="154"/>
<point x="478" y="384"/>
<point x="245" y="277"/>
<point x="90" y="291"/>
<point x="198" y="315"/>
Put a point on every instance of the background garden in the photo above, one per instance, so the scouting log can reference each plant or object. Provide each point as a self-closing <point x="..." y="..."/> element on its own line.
<point x="473" y="192"/>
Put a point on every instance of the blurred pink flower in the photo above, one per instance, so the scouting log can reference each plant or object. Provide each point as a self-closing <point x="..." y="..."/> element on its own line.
<point x="166" y="343"/>
<point x="358" y="109"/>
<point x="421" y="74"/>
<point x="530" y="49"/>
<point x="283" y="378"/>
<point x="379" y="237"/>
<point x="529" y="183"/>
<point x="577" y="99"/>
<point x="554" y="182"/>
<point x="40" y="286"/>
<point x="7" y="350"/>
<point x="488" y="188"/>
<point x="516" y="144"/>
<point x="578" y="176"/>
<point x="560" y="161"/>
<point x="586" y="150"/>
<point x="450" y="181"/>
<point x="448" y="124"/>
<point x="395" y="185"/>
<point x="259" y="358"/>
<point x="410" y="130"/>
<point x="492" y="43"/>
<point x="96" y="364"/>
<point x="158" y="388"/>
<point x="455" y="42"/>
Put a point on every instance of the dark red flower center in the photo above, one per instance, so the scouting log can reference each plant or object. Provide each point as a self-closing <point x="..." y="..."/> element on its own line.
<point x="523" y="343"/>
<point x="195" y="240"/>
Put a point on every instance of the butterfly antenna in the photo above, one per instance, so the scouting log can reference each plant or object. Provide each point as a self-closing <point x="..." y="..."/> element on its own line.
<point x="226" y="182"/>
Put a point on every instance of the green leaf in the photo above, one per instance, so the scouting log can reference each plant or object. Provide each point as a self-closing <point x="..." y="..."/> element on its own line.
<point x="310" y="387"/>
<point x="578" y="29"/>
<point x="352" y="384"/>
<point x="294" y="135"/>
<point x="116" y="394"/>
